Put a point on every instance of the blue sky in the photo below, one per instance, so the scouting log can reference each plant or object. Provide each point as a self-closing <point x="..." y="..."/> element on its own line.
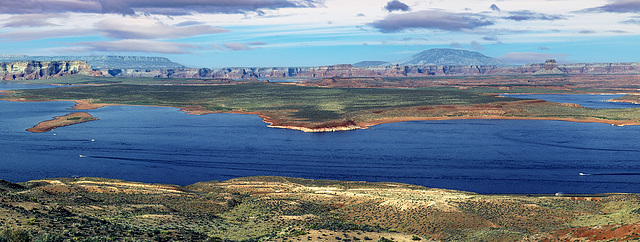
<point x="259" y="33"/>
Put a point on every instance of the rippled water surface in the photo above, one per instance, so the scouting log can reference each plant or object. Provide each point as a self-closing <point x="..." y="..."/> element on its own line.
<point x="164" y="145"/>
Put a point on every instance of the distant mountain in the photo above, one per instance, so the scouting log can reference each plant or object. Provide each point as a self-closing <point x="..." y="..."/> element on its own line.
<point x="451" y="57"/>
<point x="104" y="62"/>
<point x="370" y="63"/>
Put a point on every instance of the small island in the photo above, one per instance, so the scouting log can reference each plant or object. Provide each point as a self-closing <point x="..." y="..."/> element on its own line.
<point x="69" y="119"/>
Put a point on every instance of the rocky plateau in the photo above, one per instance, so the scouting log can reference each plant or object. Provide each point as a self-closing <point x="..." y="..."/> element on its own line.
<point x="347" y="70"/>
<point x="30" y="70"/>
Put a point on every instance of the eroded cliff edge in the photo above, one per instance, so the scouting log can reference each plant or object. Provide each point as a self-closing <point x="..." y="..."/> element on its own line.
<point x="33" y="70"/>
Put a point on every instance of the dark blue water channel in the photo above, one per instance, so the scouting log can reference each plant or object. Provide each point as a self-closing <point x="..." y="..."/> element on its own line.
<point x="164" y="145"/>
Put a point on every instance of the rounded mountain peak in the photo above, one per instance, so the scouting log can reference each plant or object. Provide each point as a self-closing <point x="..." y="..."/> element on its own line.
<point x="450" y="57"/>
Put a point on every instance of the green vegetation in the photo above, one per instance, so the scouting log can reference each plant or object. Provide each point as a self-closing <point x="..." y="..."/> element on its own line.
<point x="312" y="104"/>
<point x="101" y="80"/>
<point x="284" y="209"/>
<point x="8" y="234"/>
<point x="14" y="234"/>
<point x="321" y="107"/>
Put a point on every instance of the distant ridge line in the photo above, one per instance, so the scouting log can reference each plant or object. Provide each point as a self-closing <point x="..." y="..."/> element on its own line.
<point x="105" y="61"/>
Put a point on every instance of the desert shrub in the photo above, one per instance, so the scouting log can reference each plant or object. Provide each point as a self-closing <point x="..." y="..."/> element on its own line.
<point x="337" y="225"/>
<point x="14" y="235"/>
<point x="47" y="237"/>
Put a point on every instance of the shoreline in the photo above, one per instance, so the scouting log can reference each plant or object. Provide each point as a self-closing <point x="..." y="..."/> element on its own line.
<point x="488" y="117"/>
<point x="622" y="101"/>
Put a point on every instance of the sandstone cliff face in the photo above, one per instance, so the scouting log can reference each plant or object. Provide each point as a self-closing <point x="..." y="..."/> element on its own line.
<point x="32" y="70"/>
<point x="304" y="72"/>
<point x="603" y="68"/>
<point x="38" y="70"/>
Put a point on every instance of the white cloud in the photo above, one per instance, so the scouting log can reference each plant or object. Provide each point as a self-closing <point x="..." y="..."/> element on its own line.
<point x="236" y="46"/>
<point x="144" y="28"/>
<point x="136" y="45"/>
<point x="28" y="35"/>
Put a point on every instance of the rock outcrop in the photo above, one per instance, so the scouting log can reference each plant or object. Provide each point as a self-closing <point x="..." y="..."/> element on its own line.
<point x="549" y="67"/>
<point x="33" y="70"/>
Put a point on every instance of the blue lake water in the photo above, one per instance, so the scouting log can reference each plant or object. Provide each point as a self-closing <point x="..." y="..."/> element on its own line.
<point x="585" y="100"/>
<point x="164" y="145"/>
<point x="15" y="86"/>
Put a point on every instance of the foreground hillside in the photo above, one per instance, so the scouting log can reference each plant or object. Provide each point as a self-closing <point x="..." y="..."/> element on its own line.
<point x="282" y="209"/>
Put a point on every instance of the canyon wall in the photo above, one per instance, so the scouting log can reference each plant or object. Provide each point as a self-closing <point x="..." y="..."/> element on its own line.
<point x="28" y="70"/>
<point x="347" y="70"/>
<point x="32" y="70"/>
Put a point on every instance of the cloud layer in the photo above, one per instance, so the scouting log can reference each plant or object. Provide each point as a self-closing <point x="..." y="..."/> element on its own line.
<point x="430" y="19"/>
<point x="130" y="7"/>
<point x="142" y="28"/>
<point x="222" y="30"/>
<point x="526" y="15"/>
<point x="618" y="6"/>
<point x="31" y="20"/>
<point x="131" y="45"/>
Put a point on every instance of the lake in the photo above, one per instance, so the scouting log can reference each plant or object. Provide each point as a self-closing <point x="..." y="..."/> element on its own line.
<point x="585" y="100"/>
<point x="164" y="145"/>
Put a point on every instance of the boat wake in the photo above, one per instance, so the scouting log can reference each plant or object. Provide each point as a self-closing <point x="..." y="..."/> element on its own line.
<point x="611" y="174"/>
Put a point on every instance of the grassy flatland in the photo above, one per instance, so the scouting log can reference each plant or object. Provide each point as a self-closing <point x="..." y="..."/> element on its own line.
<point x="309" y="106"/>
<point x="283" y="208"/>
<point x="101" y="80"/>
<point x="499" y="83"/>
<point x="309" y="103"/>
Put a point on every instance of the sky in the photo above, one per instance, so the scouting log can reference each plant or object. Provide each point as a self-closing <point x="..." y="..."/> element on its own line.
<point x="277" y="33"/>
